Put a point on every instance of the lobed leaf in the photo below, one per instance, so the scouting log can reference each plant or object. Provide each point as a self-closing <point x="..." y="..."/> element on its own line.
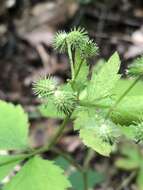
<point x="13" y="127"/>
<point x="7" y="163"/>
<point x="105" y="80"/>
<point x="39" y="174"/>
<point x="91" y="139"/>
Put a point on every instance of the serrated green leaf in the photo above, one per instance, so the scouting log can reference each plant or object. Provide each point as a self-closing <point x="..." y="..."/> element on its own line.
<point x="7" y="163"/>
<point x="39" y="174"/>
<point x="91" y="139"/>
<point x="82" y="117"/>
<point x="13" y="127"/>
<point x="128" y="111"/>
<point x="123" y="84"/>
<point x="102" y="83"/>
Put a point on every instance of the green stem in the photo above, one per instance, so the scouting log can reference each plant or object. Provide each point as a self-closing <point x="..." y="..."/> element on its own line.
<point x="71" y="61"/>
<point x="45" y="148"/>
<point x="85" y="180"/>
<point x="96" y="105"/>
<point x="123" y="96"/>
<point x="79" y="67"/>
<point x="87" y="160"/>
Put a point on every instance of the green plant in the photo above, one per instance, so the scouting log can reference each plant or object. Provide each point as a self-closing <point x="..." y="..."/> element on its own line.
<point x="132" y="161"/>
<point x="100" y="114"/>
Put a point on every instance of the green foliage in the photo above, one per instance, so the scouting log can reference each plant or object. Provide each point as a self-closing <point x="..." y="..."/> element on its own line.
<point x="94" y="178"/>
<point x="81" y="72"/>
<point x="123" y="84"/>
<point x="132" y="160"/>
<point x="7" y="163"/>
<point x="38" y="174"/>
<point x="96" y="132"/>
<point x="45" y="111"/>
<point x="91" y="139"/>
<point x="13" y="127"/>
<point x="131" y="157"/>
<point x="129" y="110"/>
<point x="102" y="109"/>
<point x="75" y="176"/>
<point x="102" y="83"/>
<point x="136" y="68"/>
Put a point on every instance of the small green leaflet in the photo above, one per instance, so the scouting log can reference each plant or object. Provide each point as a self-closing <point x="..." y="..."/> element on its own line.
<point x="91" y="139"/>
<point x="13" y="127"/>
<point x="7" y="163"/>
<point x="104" y="81"/>
<point x="39" y="174"/>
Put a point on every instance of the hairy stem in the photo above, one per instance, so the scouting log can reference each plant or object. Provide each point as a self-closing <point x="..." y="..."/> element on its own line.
<point x="123" y="96"/>
<point x="78" y="70"/>
<point x="71" y="61"/>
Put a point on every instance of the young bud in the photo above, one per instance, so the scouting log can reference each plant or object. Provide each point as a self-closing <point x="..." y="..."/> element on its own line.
<point x="65" y="101"/>
<point x="60" y="42"/>
<point x="108" y="131"/>
<point x="88" y="49"/>
<point x="44" y="87"/>
<point x="77" y="37"/>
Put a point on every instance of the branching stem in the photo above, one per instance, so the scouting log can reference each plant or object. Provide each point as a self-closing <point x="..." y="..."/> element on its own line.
<point x="123" y="96"/>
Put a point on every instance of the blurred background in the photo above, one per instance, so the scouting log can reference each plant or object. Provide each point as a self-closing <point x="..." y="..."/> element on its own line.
<point x="27" y="29"/>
